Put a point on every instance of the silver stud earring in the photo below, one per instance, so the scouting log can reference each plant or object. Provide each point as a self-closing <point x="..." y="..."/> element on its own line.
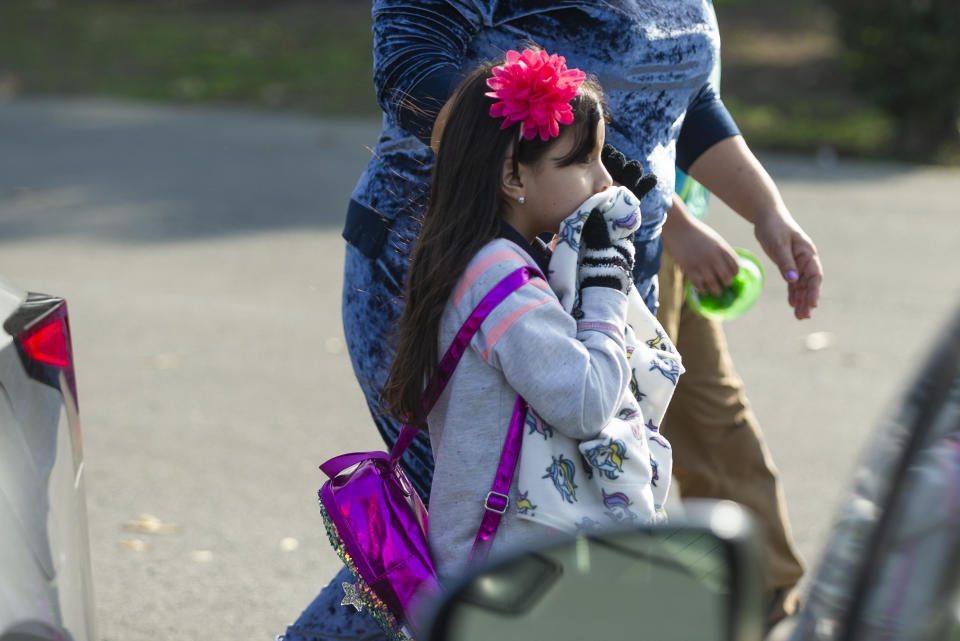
<point x="521" y="199"/>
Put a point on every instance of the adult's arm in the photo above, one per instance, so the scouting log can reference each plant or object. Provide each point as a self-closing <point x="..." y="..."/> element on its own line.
<point x="706" y="123"/>
<point x="707" y="260"/>
<point x="711" y="149"/>
<point x="418" y="49"/>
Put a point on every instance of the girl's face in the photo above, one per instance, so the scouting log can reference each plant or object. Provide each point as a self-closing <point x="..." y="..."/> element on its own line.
<point x="552" y="192"/>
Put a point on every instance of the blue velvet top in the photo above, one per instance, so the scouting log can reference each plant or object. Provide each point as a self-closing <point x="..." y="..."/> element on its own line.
<point x="653" y="60"/>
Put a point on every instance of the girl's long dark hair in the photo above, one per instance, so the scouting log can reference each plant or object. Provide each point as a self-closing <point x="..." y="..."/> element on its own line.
<point x="463" y="215"/>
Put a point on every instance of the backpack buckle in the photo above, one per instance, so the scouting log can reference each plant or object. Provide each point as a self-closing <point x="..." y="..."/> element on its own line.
<point x="503" y="502"/>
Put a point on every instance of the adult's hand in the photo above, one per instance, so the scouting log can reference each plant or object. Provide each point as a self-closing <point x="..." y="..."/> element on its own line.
<point x="796" y="256"/>
<point x="707" y="260"/>
<point x="731" y="171"/>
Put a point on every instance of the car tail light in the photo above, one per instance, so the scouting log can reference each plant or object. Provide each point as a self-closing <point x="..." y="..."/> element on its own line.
<point x="41" y="330"/>
<point x="49" y="341"/>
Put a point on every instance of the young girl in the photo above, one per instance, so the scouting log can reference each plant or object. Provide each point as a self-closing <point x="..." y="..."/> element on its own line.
<point x="511" y="164"/>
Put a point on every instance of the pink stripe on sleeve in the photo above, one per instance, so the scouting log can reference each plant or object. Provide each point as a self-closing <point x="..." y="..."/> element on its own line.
<point x="601" y="326"/>
<point x="539" y="283"/>
<point x="500" y="328"/>
<point x="482" y="265"/>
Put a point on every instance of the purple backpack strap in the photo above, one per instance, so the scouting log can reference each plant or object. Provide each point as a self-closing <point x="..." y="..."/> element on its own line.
<point x="498" y="498"/>
<point x="338" y="464"/>
<point x="510" y="283"/>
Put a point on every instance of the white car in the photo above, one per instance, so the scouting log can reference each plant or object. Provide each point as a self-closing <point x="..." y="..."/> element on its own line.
<point x="46" y="590"/>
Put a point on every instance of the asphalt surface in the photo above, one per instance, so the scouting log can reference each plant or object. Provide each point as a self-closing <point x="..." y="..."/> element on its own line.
<point x="200" y="254"/>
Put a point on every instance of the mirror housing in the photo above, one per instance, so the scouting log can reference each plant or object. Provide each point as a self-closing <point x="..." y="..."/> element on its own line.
<point x="697" y="577"/>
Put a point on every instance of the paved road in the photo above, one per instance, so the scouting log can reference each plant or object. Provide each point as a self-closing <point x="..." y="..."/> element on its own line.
<point x="200" y="254"/>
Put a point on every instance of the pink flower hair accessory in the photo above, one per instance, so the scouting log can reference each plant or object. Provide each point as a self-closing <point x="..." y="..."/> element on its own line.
<point x="534" y="89"/>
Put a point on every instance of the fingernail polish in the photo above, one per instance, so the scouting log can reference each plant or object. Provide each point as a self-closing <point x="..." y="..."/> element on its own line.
<point x="792" y="275"/>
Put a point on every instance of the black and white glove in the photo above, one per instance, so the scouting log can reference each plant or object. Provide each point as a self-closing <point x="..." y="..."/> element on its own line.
<point x="627" y="173"/>
<point x="606" y="246"/>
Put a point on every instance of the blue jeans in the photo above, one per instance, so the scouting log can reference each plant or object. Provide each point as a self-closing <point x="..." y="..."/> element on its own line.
<point x="326" y="620"/>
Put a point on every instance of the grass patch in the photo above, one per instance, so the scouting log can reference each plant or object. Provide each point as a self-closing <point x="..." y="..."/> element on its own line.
<point x="309" y="57"/>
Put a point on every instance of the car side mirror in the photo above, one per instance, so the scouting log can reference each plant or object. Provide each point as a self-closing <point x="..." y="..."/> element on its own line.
<point x="696" y="578"/>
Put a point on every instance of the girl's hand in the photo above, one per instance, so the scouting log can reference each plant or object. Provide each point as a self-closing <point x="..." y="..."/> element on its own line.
<point x="627" y="173"/>
<point x="606" y="245"/>
<point x="796" y="256"/>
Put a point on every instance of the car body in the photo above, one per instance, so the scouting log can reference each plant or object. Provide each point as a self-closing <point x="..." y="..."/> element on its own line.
<point x="46" y="589"/>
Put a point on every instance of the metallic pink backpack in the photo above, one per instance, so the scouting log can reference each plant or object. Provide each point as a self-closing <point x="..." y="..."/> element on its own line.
<point x="375" y="518"/>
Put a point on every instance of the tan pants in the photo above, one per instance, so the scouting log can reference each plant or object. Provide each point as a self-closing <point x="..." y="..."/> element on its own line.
<point x="718" y="450"/>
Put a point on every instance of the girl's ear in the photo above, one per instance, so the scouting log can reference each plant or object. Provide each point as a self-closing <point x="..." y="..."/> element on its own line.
<point x="511" y="182"/>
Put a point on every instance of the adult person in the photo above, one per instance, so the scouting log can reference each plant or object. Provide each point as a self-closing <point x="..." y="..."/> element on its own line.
<point x="652" y="59"/>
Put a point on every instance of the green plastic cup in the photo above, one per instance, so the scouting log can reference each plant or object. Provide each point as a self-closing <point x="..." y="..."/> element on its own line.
<point x="737" y="298"/>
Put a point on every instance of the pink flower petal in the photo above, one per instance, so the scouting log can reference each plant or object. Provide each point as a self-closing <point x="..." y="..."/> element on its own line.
<point x="536" y="89"/>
